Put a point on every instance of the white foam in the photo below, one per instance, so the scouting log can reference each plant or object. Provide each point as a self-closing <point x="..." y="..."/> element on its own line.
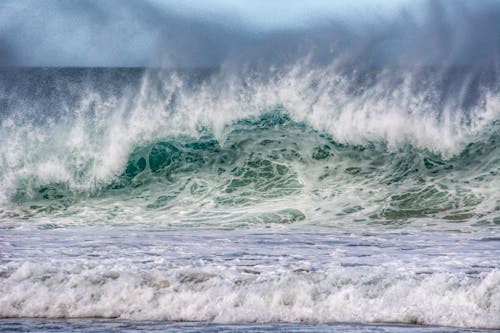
<point x="228" y="295"/>
<point x="90" y="144"/>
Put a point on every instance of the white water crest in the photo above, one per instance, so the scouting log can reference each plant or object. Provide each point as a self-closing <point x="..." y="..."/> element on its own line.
<point x="73" y="149"/>
<point x="231" y="297"/>
<point x="427" y="279"/>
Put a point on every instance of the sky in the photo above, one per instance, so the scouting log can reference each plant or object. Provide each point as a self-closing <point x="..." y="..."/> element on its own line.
<point x="198" y="33"/>
<point x="265" y="15"/>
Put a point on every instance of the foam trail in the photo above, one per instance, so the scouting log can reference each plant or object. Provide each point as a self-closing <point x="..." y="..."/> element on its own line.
<point x="439" y="278"/>
<point x="77" y="291"/>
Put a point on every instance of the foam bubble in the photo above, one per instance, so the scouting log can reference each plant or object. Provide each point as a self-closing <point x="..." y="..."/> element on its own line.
<point x="230" y="295"/>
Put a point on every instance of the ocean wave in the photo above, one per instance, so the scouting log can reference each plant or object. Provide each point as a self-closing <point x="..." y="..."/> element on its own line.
<point x="227" y="296"/>
<point x="377" y="145"/>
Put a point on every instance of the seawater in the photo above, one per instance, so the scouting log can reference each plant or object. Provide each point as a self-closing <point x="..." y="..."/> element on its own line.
<point x="293" y="199"/>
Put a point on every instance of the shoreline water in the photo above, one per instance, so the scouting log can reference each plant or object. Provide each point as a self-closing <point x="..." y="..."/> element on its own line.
<point x="110" y="325"/>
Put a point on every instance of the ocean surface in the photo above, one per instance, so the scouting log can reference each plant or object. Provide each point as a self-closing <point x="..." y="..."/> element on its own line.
<point x="305" y="198"/>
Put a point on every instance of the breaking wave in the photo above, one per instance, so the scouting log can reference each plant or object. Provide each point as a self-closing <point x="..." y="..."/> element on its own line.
<point x="235" y="296"/>
<point x="379" y="145"/>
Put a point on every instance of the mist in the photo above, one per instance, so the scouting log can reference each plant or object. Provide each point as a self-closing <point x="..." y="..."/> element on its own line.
<point x="113" y="33"/>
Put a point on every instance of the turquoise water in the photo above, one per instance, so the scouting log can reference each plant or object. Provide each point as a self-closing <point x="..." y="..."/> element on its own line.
<point x="264" y="161"/>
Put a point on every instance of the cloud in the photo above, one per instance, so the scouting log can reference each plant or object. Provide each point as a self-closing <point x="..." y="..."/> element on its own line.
<point x="154" y="33"/>
<point x="6" y="57"/>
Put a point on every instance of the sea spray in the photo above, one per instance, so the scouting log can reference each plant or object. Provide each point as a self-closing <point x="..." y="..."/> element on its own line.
<point x="379" y="145"/>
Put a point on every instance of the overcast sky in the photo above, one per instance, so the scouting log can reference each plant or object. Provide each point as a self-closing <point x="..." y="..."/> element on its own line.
<point x="191" y="33"/>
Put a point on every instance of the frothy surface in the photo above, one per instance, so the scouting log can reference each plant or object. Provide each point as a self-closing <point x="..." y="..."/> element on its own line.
<point x="302" y="195"/>
<point x="429" y="278"/>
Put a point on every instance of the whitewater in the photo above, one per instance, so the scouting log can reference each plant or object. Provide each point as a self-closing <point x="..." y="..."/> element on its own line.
<point x="302" y="196"/>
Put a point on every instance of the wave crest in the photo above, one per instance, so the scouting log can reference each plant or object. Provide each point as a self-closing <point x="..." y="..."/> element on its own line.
<point x="382" y="144"/>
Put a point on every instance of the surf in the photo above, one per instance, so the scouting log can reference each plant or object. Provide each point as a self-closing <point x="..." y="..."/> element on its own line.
<point x="380" y="145"/>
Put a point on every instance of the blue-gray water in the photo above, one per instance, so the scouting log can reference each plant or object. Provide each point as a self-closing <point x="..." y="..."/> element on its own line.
<point x="297" y="200"/>
<point x="101" y="325"/>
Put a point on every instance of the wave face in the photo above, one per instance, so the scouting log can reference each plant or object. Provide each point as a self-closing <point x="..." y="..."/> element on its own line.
<point x="298" y="194"/>
<point x="202" y="147"/>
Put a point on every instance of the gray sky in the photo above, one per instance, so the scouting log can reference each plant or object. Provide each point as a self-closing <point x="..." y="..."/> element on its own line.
<point x="191" y="33"/>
